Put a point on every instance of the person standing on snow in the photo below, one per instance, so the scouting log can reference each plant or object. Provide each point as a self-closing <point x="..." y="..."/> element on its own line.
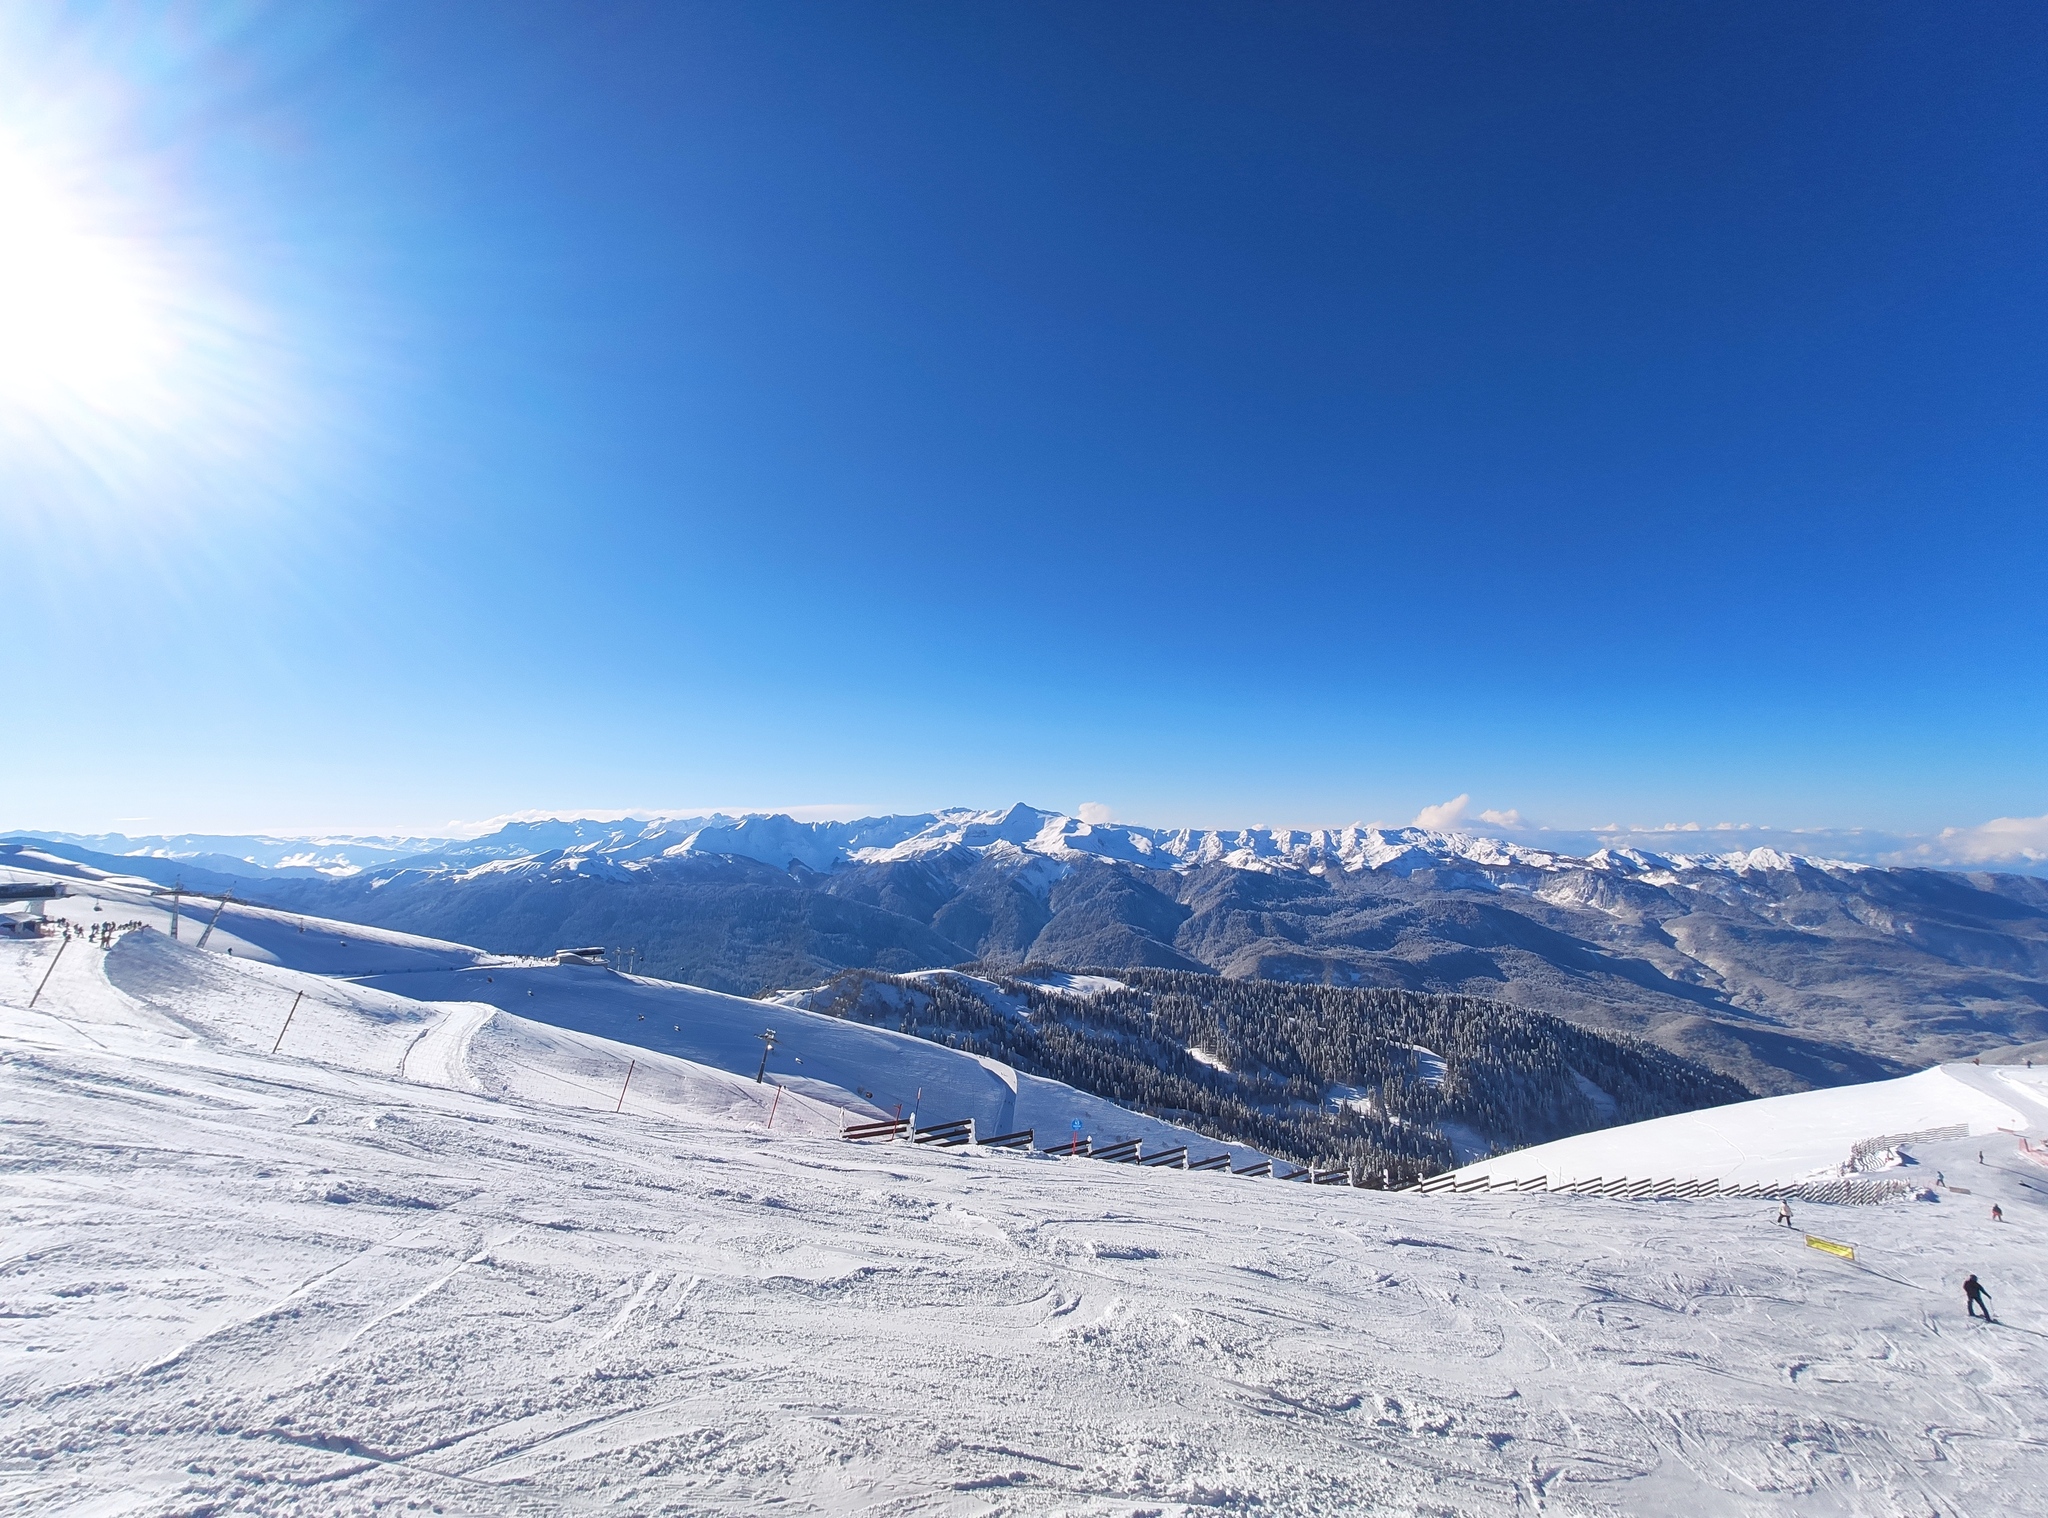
<point x="1785" y="1211"/>
<point x="1997" y="1213"/>
<point x="1975" y="1294"/>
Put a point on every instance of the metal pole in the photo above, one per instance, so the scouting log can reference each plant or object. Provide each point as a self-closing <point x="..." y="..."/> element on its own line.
<point x="622" y="1089"/>
<point x="51" y="971"/>
<point x="225" y="897"/>
<point x="287" y="1022"/>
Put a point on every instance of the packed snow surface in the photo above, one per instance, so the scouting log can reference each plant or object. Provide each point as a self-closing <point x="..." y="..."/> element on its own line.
<point x="431" y="1253"/>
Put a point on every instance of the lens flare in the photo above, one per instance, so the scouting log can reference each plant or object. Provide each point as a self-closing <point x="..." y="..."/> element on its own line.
<point x="77" y="320"/>
<point x="137" y="390"/>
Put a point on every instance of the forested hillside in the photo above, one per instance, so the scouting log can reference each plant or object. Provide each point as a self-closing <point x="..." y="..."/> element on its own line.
<point x="1391" y="1084"/>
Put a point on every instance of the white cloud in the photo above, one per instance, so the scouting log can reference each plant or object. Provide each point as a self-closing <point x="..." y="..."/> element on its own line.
<point x="1444" y="815"/>
<point x="1097" y="812"/>
<point x="1508" y="819"/>
<point x="2002" y="840"/>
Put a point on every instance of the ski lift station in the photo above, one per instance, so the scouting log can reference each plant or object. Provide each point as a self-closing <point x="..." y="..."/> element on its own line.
<point x="581" y="957"/>
<point x="22" y="908"/>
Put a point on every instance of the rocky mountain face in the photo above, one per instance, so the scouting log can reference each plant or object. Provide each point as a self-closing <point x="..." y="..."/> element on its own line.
<point x="1779" y="971"/>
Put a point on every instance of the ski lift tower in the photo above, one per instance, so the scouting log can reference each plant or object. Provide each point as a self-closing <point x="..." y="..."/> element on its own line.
<point x="767" y="1048"/>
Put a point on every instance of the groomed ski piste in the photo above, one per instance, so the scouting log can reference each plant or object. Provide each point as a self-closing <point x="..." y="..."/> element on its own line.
<point x="437" y="1253"/>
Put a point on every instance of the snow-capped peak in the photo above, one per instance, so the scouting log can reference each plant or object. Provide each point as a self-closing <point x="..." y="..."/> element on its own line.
<point x="1015" y="835"/>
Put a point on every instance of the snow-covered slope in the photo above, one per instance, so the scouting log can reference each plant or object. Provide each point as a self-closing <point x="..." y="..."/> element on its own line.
<point x="416" y="1259"/>
<point x="314" y="944"/>
<point x="1802" y="1136"/>
<point x="148" y="996"/>
<point x="257" y="958"/>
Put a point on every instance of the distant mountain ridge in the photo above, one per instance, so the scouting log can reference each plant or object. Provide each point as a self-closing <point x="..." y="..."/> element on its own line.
<point x="2017" y="845"/>
<point x="1777" y="969"/>
<point x="780" y="840"/>
<point x="248" y="854"/>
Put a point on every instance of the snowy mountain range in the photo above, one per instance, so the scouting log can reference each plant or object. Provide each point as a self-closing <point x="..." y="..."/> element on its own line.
<point x="781" y="840"/>
<point x="1778" y="969"/>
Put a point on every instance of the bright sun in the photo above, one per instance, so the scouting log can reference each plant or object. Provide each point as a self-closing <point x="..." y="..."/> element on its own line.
<point x="77" y="324"/>
<point x="136" y="366"/>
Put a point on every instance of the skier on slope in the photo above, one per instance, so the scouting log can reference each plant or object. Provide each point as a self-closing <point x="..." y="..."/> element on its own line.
<point x="1997" y="1213"/>
<point x="1975" y="1294"/>
<point x="1785" y="1211"/>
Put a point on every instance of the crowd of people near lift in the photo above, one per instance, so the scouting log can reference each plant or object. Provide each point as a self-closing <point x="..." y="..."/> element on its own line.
<point x="102" y="934"/>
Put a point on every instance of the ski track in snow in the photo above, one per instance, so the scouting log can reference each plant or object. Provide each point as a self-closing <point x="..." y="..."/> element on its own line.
<point x="440" y="1054"/>
<point x="234" y="1282"/>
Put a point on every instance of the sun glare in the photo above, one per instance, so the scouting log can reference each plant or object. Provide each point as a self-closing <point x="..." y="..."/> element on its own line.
<point x="76" y="324"/>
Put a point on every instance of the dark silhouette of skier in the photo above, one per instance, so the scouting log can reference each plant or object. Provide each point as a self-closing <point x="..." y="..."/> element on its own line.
<point x="1978" y="1297"/>
<point x="1997" y="1213"/>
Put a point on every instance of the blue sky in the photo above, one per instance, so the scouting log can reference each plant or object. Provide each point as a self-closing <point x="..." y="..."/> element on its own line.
<point x="1226" y="414"/>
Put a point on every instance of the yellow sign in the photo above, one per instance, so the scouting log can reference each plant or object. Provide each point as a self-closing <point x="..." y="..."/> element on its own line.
<point x="1829" y="1246"/>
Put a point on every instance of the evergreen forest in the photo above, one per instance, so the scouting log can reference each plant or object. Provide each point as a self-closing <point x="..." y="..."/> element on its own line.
<point x="1387" y="1083"/>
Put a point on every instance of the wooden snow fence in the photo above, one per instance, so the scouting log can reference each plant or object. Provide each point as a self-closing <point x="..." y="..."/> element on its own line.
<point x="946" y="1135"/>
<point x="888" y="1128"/>
<point x="1865" y="1150"/>
<point x="960" y="1134"/>
<point x="1842" y="1191"/>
